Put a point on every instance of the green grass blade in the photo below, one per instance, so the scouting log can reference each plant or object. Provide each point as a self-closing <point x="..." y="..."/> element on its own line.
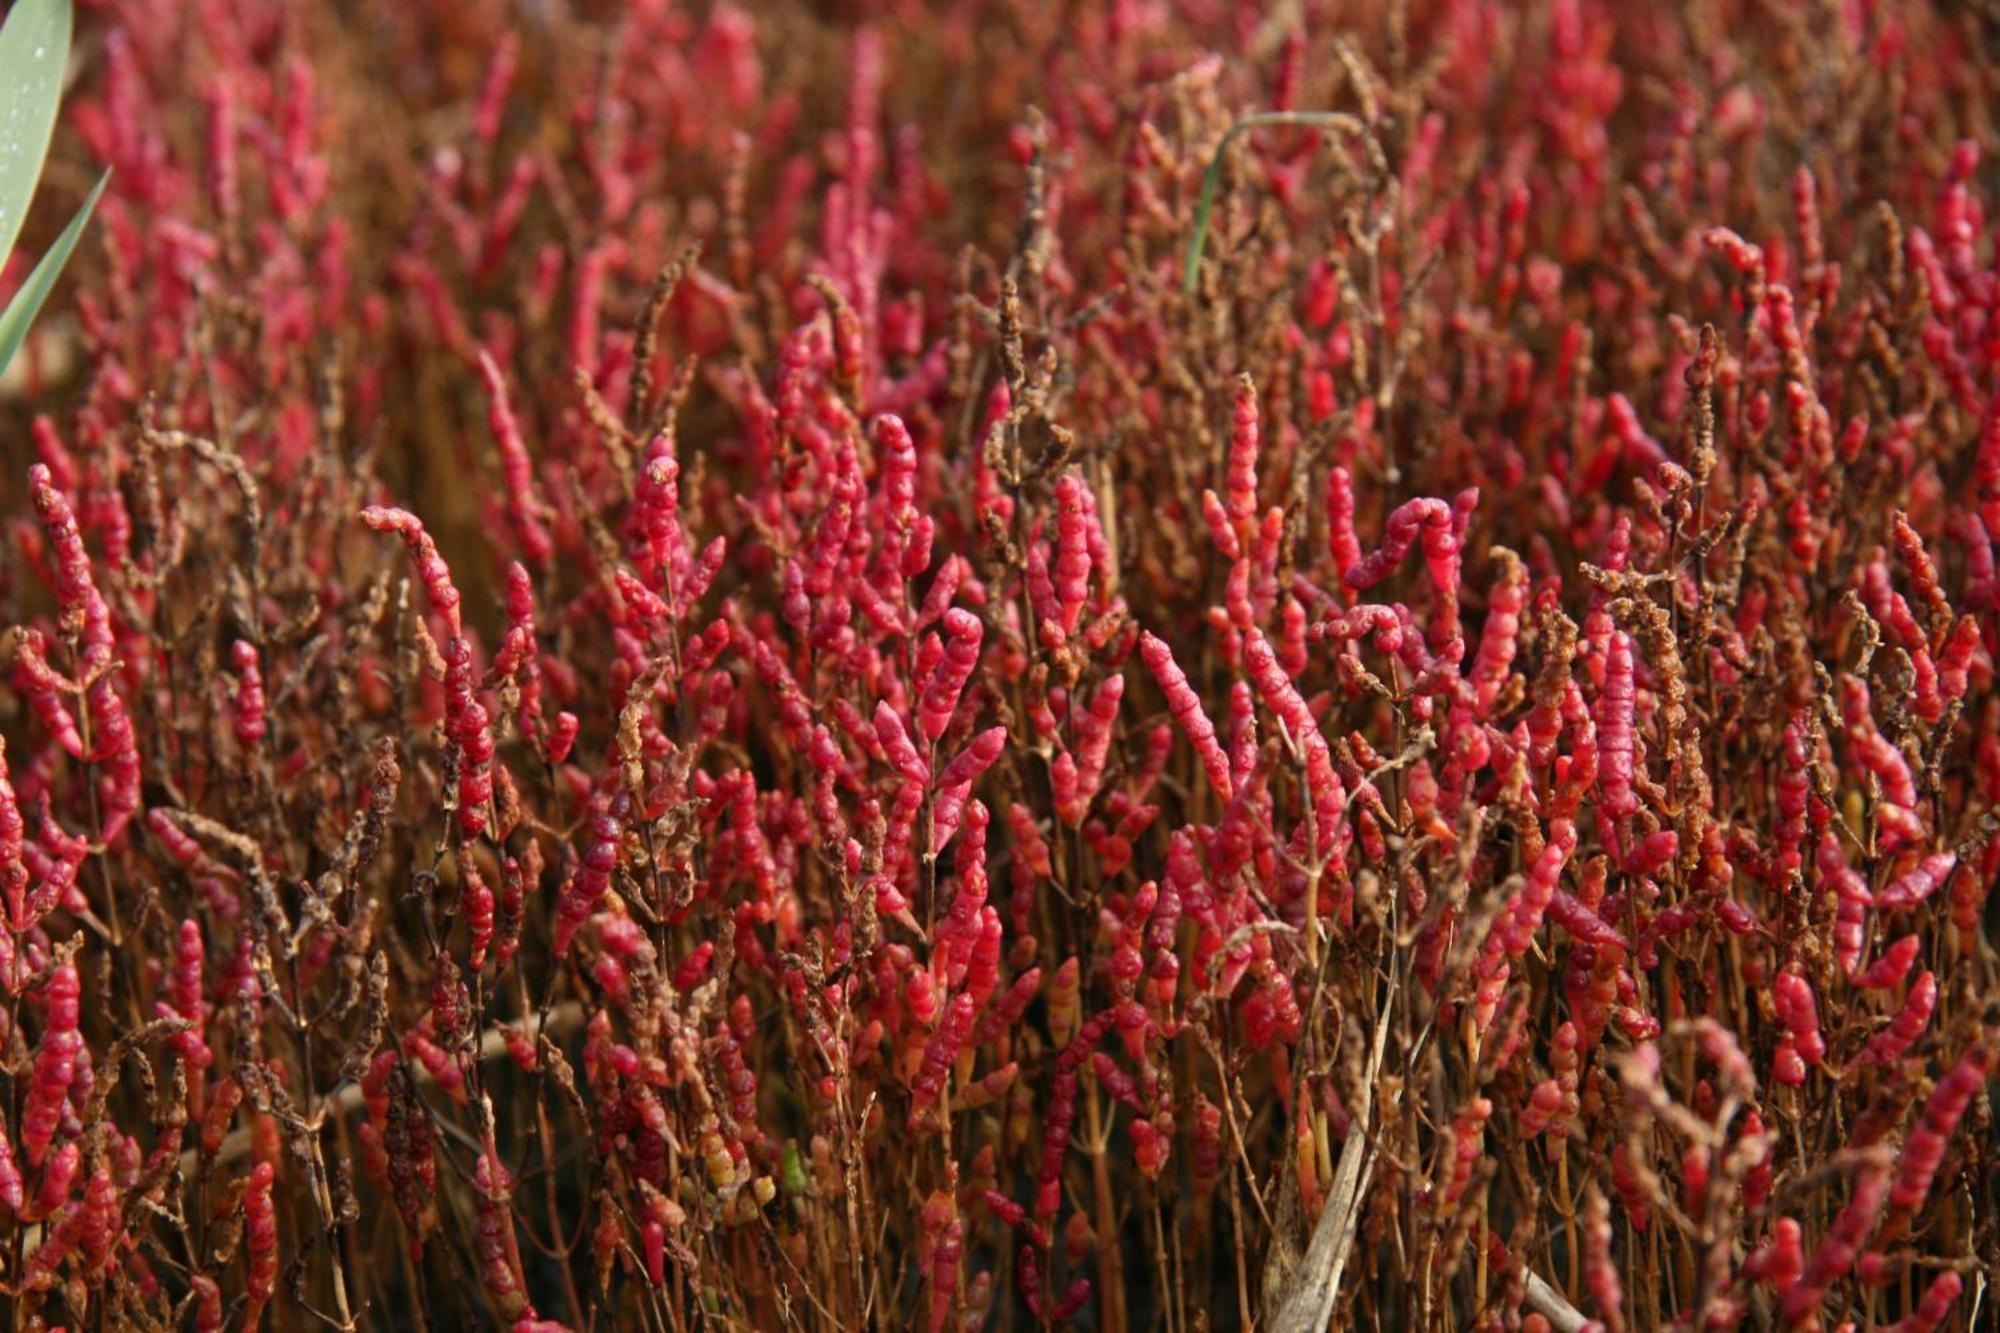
<point x="34" y="52"/>
<point x="1198" y="236"/>
<point x="21" y="311"/>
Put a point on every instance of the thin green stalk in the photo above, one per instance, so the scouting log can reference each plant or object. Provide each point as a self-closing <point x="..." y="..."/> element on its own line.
<point x="1198" y="239"/>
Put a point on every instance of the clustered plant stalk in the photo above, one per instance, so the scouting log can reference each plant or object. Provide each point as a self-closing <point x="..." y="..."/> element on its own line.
<point x="999" y="666"/>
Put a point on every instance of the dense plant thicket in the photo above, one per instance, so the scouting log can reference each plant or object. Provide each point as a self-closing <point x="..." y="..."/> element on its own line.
<point x="685" y="666"/>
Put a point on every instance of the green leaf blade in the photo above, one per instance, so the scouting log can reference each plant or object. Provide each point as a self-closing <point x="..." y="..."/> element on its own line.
<point x="34" y="55"/>
<point x="27" y="302"/>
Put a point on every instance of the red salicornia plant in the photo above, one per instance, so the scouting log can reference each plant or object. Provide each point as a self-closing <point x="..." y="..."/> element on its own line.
<point x="1157" y="665"/>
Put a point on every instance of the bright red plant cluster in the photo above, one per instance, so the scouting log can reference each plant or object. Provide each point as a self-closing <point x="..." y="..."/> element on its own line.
<point x="664" y="674"/>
